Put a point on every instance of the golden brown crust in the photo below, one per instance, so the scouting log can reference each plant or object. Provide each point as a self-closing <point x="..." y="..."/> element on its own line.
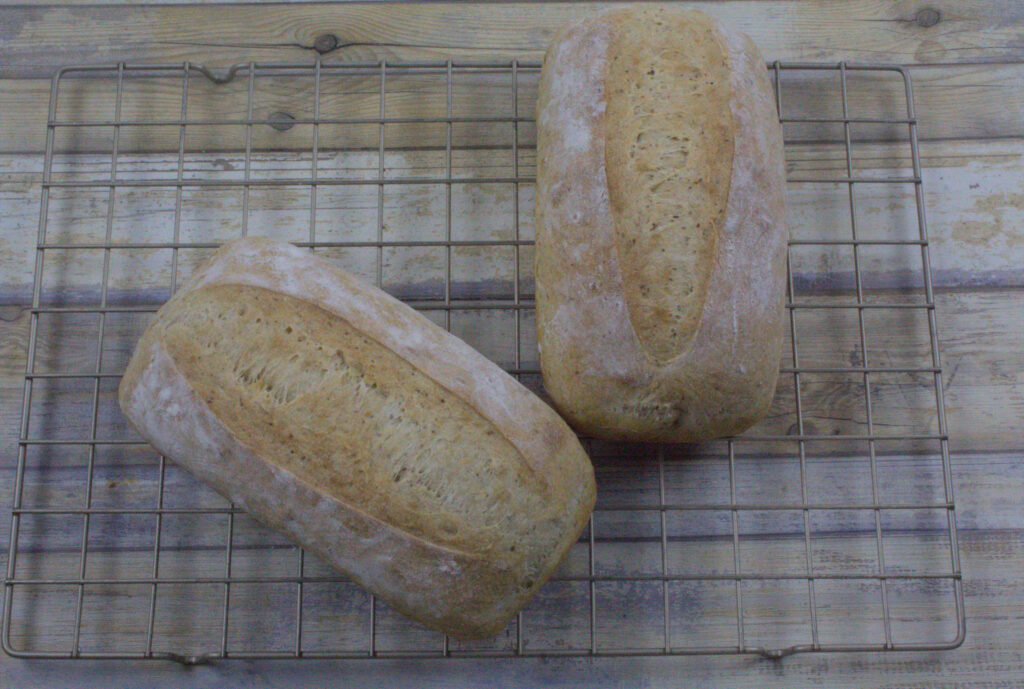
<point x="607" y="364"/>
<point x="667" y="159"/>
<point x="370" y="436"/>
<point x="334" y="408"/>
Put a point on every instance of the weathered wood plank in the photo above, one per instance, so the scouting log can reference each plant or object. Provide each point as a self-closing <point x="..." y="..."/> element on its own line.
<point x="980" y="332"/>
<point x="963" y="101"/>
<point x="335" y="615"/>
<point x="974" y="205"/>
<point x="556" y="619"/>
<point x="974" y="667"/>
<point x="863" y="30"/>
<point x="260" y="613"/>
<point x="970" y="227"/>
<point x="841" y="486"/>
<point x="974" y="208"/>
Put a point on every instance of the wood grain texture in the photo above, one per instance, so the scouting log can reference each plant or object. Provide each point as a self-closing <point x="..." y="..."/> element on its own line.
<point x="952" y="102"/>
<point x="971" y="668"/>
<point x="342" y="609"/>
<point x="974" y="205"/>
<point x="975" y="213"/>
<point x="863" y="30"/>
<point x="335" y="615"/>
<point x="988" y="485"/>
<point x="979" y="334"/>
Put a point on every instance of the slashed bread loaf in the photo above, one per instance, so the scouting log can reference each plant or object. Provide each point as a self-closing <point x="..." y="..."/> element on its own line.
<point x="370" y="436"/>
<point x="661" y="244"/>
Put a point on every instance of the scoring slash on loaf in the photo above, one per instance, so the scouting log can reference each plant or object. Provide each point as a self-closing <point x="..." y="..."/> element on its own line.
<point x="661" y="246"/>
<point x="370" y="436"/>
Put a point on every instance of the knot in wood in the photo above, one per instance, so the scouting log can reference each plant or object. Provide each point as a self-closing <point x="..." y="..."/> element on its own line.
<point x="928" y="17"/>
<point x="281" y="121"/>
<point x="325" y="43"/>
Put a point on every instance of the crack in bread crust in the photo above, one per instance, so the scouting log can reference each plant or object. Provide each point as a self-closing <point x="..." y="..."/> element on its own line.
<point x="671" y="332"/>
<point x="668" y="162"/>
<point x="342" y="413"/>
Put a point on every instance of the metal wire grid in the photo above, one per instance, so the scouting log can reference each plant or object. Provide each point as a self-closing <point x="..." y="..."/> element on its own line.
<point x="517" y="304"/>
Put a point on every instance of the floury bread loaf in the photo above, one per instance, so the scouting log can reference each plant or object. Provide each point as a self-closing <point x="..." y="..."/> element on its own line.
<point x="661" y="246"/>
<point x="370" y="436"/>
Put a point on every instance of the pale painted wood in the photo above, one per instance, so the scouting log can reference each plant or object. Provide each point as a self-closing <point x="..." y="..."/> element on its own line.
<point x="974" y="205"/>
<point x="863" y="30"/>
<point x="630" y="614"/>
<point x="336" y="615"/>
<point x="839" y="401"/>
<point x="953" y="102"/>
<point x="980" y="332"/>
<point x="974" y="210"/>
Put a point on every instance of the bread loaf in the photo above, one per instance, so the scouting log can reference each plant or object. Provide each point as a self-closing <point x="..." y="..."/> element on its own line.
<point x="661" y="247"/>
<point x="367" y="434"/>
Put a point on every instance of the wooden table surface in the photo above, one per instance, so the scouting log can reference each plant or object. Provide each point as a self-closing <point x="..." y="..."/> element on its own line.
<point x="965" y="62"/>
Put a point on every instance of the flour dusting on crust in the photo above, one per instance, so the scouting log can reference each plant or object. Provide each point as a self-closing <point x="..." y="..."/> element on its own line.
<point x="594" y="368"/>
<point x="465" y="594"/>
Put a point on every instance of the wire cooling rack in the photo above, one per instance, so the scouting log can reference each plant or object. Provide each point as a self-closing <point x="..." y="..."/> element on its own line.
<point x="828" y="527"/>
